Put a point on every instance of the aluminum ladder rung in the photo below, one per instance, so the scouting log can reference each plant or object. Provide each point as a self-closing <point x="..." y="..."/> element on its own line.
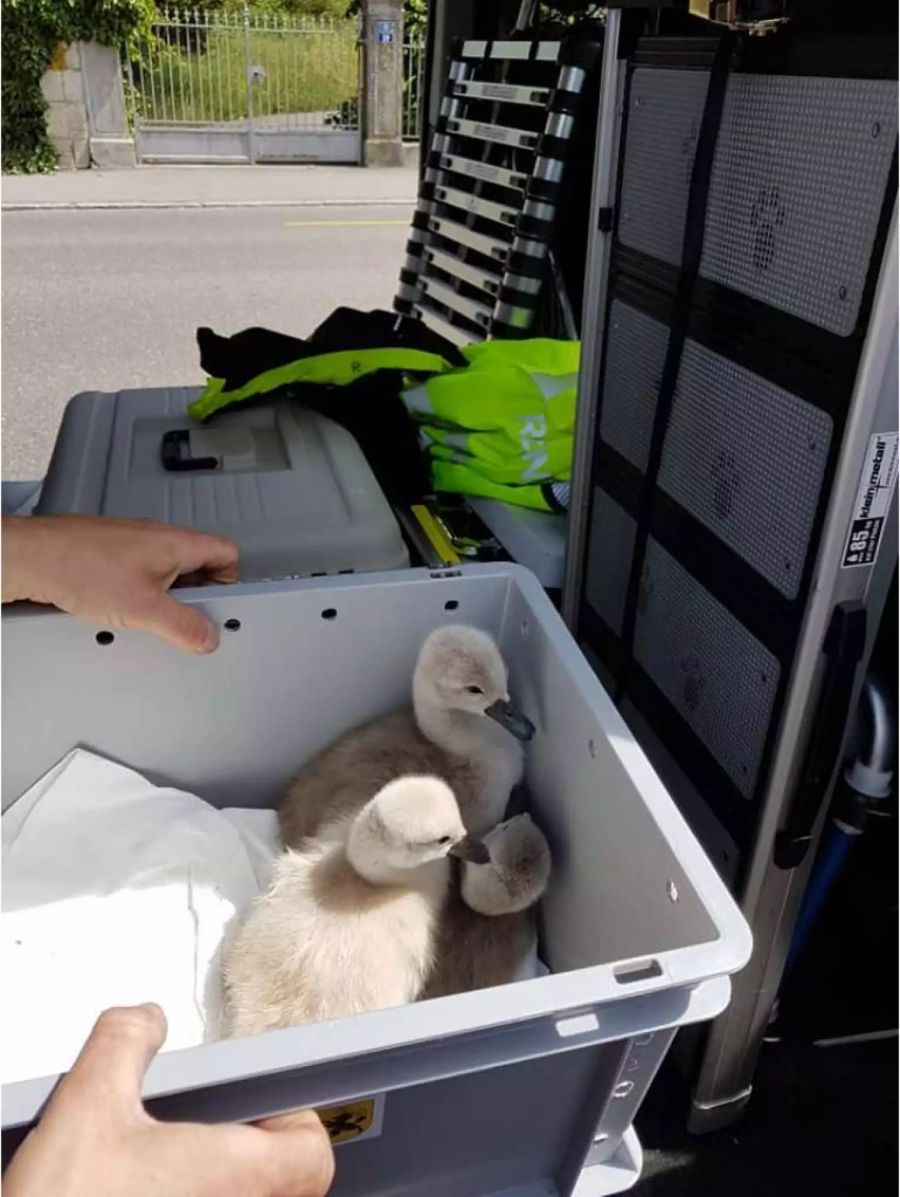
<point x="462" y="235"/>
<point x="441" y="324"/>
<point x="517" y="51"/>
<point x="524" y="139"/>
<point x="504" y="93"/>
<point x="475" y="204"/>
<point x="501" y="176"/>
<point x="470" y="309"/>
<point x="472" y="275"/>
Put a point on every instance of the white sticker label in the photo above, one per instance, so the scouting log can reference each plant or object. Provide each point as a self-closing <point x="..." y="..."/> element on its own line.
<point x="499" y="91"/>
<point x="491" y="132"/>
<point x="873" y="500"/>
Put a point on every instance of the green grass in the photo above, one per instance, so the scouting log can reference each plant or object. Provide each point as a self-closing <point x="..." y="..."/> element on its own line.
<point x="302" y="72"/>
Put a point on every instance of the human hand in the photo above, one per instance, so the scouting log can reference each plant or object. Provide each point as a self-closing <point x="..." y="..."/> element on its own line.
<point x="116" y="573"/>
<point x="97" y="1140"/>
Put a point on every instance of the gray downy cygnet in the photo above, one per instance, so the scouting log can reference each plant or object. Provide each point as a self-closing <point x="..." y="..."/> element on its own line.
<point x="349" y="922"/>
<point x="488" y="925"/>
<point x="461" y="728"/>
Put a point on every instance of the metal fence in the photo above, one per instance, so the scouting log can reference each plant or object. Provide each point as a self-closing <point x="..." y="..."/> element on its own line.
<point x="413" y="87"/>
<point x="218" y="68"/>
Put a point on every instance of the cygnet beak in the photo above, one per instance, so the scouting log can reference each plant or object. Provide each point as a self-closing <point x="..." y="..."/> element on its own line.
<point x="471" y="850"/>
<point x="514" y="721"/>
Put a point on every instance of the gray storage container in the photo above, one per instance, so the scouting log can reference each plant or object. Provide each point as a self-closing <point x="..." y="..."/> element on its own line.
<point x="290" y="486"/>
<point x="524" y="1089"/>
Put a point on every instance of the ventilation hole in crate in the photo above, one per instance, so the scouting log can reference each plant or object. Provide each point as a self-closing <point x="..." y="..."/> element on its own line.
<point x="526" y="627"/>
<point x="104" y="638"/>
<point x="232" y="625"/>
<point x="451" y="605"/>
<point x="592" y="749"/>
<point x="644" y="970"/>
<point x="329" y="613"/>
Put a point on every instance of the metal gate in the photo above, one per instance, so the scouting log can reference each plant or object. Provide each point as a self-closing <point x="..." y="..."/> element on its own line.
<point x="413" y="86"/>
<point x="245" y="86"/>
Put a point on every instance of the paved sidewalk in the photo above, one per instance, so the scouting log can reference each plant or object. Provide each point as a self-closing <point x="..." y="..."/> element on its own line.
<point x="211" y="187"/>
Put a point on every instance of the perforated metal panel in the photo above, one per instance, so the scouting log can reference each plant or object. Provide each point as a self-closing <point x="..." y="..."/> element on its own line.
<point x="718" y="676"/>
<point x="735" y="532"/>
<point x="797" y="185"/>
<point x="636" y="349"/>
<point x="609" y="559"/>
<point x="664" y="111"/>
<point x="745" y="457"/>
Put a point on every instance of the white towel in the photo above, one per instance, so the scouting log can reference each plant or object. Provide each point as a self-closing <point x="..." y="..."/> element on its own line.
<point x="116" y="892"/>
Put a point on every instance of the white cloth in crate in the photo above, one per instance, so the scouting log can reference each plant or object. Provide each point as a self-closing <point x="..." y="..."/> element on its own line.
<point x="116" y="892"/>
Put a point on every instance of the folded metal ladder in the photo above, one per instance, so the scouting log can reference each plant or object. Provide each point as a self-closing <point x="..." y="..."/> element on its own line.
<point x="477" y="257"/>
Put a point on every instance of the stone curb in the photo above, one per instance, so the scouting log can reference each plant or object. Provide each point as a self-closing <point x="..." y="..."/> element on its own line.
<point x="104" y="205"/>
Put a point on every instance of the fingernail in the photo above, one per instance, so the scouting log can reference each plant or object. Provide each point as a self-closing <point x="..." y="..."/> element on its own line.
<point x="210" y="642"/>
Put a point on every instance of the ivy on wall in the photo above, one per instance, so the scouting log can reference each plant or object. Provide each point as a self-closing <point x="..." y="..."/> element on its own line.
<point x="32" y="32"/>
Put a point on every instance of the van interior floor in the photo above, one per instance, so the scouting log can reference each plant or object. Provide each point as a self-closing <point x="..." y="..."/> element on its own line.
<point x="822" y="1120"/>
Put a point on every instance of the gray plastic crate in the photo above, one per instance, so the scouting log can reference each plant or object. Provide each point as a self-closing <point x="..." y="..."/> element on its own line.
<point x="290" y="486"/>
<point x="521" y="1090"/>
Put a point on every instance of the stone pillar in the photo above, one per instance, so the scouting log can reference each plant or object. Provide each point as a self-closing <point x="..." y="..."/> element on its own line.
<point x="67" y="123"/>
<point x="111" y="144"/>
<point x="382" y="105"/>
<point x="86" y="118"/>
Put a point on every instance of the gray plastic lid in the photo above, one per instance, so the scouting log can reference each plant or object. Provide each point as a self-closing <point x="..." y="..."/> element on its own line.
<point x="290" y="486"/>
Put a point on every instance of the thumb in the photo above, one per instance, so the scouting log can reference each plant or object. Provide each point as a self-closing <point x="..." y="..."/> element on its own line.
<point x="299" y="1158"/>
<point x="185" y="627"/>
<point x="111" y="1066"/>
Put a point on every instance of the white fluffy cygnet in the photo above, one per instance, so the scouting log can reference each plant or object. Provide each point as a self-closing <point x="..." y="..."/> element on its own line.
<point x="350" y="920"/>
<point x="462" y="728"/>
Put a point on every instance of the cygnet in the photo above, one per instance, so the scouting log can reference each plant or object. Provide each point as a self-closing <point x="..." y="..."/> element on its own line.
<point x="462" y="728"/>
<point x="349" y="922"/>
<point x="488" y="928"/>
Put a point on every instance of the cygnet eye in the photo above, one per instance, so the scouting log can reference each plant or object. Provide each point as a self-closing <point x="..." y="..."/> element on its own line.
<point x="474" y="689"/>
<point x="445" y="839"/>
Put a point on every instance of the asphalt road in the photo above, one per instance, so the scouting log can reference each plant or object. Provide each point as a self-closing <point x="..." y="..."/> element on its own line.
<point x="104" y="300"/>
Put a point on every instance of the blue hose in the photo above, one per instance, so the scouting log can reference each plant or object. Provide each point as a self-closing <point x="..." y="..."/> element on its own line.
<point x="831" y="859"/>
<point x="865" y="786"/>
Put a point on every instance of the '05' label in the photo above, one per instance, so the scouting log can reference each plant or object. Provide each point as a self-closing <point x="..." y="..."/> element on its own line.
<point x="873" y="500"/>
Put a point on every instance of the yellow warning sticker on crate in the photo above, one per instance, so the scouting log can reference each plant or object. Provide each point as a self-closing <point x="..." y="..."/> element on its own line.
<point x="354" y="1121"/>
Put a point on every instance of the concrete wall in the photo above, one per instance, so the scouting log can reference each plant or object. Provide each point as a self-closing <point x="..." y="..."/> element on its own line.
<point x="86" y="118"/>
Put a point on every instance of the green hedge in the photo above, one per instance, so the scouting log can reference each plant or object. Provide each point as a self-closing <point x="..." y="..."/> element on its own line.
<point x="32" y="29"/>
